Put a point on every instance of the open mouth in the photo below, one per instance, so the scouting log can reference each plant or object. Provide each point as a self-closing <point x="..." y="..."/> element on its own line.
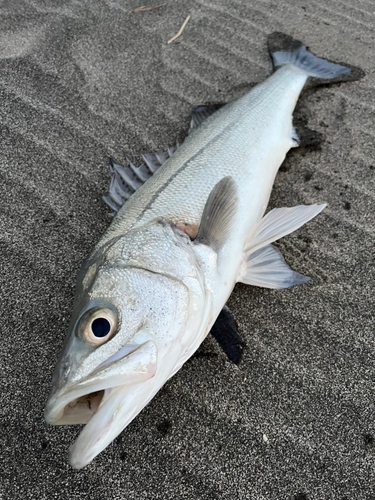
<point x="78" y="403"/>
<point x="80" y="410"/>
<point x="106" y="400"/>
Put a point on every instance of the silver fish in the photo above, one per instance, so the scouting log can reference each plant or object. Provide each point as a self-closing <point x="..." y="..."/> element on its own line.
<point x="155" y="283"/>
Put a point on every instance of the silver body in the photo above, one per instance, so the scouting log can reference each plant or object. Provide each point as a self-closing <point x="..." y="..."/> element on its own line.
<point x="167" y="290"/>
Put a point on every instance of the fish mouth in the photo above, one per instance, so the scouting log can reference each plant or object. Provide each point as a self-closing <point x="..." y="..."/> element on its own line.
<point x="95" y="399"/>
<point x="80" y="410"/>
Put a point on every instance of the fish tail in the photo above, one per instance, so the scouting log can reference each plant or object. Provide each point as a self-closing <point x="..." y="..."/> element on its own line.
<point x="284" y="50"/>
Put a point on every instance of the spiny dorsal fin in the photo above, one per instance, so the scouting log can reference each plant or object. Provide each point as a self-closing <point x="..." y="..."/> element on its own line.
<point x="225" y="332"/>
<point x="126" y="180"/>
<point x="218" y="214"/>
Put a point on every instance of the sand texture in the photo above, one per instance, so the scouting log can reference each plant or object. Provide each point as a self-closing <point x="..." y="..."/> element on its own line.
<point x="81" y="81"/>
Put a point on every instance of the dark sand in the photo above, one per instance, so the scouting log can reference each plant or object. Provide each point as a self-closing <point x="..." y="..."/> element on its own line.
<point x="81" y="81"/>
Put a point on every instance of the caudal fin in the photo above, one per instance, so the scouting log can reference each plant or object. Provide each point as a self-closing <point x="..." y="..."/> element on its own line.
<point x="284" y="50"/>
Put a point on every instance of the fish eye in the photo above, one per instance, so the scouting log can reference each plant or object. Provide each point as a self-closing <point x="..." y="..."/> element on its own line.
<point x="98" y="325"/>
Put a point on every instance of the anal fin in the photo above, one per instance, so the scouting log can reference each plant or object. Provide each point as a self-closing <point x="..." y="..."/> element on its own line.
<point x="295" y="138"/>
<point x="304" y="137"/>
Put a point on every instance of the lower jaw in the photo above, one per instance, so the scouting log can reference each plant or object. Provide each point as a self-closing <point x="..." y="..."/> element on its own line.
<point x="119" y="406"/>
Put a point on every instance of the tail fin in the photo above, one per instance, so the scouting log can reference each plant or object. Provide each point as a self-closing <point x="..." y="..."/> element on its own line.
<point x="285" y="50"/>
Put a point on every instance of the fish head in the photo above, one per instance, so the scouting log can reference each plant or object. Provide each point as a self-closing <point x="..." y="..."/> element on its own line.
<point x="122" y="344"/>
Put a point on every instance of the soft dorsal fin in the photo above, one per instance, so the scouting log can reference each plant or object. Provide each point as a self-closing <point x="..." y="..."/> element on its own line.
<point x="126" y="180"/>
<point x="200" y="113"/>
<point x="218" y="214"/>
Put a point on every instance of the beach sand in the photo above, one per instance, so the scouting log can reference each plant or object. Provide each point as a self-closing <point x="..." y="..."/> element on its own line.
<point x="84" y="81"/>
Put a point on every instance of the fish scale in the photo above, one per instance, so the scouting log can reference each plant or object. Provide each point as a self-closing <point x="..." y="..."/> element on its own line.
<point x="159" y="278"/>
<point x="230" y="142"/>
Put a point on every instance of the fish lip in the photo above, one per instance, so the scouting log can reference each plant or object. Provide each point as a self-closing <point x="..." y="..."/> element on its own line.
<point x="59" y="402"/>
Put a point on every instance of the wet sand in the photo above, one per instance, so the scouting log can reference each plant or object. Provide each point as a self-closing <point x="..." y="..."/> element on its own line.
<point x="84" y="81"/>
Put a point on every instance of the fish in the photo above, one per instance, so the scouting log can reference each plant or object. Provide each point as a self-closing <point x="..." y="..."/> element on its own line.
<point x="188" y="225"/>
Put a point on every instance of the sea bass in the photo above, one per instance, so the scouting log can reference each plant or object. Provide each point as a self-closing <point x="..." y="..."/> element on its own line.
<point x="156" y="282"/>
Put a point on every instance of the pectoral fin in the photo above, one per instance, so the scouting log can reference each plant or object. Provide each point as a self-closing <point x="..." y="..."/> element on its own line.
<point x="218" y="214"/>
<point x="225" y="332"/>
<point x="263" y="264"/>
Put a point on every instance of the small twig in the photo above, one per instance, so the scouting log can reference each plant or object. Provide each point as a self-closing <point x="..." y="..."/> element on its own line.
<point x="143" y="8"/>
<point x="181" y="30"/>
